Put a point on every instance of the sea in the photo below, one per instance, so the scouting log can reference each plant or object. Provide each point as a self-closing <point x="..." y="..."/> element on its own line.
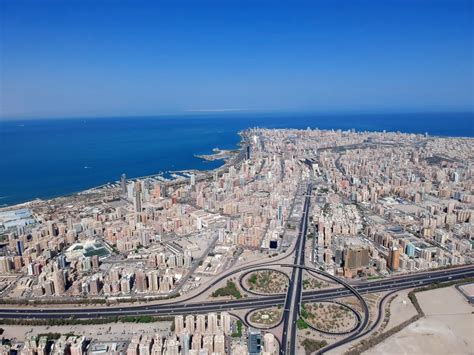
<point x="45" y="158"/>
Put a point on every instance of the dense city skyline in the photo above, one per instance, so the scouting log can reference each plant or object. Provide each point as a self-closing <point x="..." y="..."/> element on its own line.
<point x="296" y="244"/>
<point x="204" y="177"/>
<point x="94" y="59"/>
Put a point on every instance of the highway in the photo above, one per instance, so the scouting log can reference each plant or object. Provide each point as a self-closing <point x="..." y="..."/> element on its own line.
<point x="179" y="307"/>
<point x="293" y="295"/>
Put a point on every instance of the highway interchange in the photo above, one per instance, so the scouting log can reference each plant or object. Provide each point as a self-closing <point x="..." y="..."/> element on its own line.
<point x="293" y="295"/>
<point x="170" y="308"/>
<point x="291" y="301"/>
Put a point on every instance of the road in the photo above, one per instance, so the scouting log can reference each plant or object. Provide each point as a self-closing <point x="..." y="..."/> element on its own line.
<point x="293" y="295"/>
<point x="178" y="307"/>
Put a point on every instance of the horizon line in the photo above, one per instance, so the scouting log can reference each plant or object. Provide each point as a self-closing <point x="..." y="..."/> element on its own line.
<point x="241" y="112"/>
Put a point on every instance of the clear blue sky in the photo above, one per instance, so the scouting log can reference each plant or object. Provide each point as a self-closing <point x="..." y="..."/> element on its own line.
<point x="100" y="58"/>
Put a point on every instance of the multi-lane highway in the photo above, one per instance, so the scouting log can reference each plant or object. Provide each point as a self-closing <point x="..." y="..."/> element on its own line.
<point x="177" y="307"/>
<point x="293" y="295"/>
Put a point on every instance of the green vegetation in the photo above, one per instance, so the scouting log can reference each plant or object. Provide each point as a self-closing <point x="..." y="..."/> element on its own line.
<point x="303" y="312"/>
<point x="313" y="284"/>
<point x="311" y="345"/>
<point x="229" y="290"/>
<point x="253" y="279"/>
<point x="267" y="281"/>
<point x="238" y="332"/>
<point x="301" y="324"/>
<point x="328" y="317"/>
<point x="326" y="209"/>
<point x="6" y="342"/>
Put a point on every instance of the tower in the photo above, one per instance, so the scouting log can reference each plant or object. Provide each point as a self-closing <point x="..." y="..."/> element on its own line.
<point x="254" y="344"/>
<point x="138" y="196"/>
<point x="225" y="323"/>
<point x="123" y="184"/>
<point x="190" y="324"/>
<point x="179" y="325"/>
<point x="394" y="258"/>
<point x="58" y="281"/>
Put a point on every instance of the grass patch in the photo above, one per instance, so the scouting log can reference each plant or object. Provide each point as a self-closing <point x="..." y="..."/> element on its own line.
<point x="301" y="324"/>
<point x="253" y="279"/>
<point x="229" y="290"/>
<point x="238" y="332"/>
<point x="311" y="345"/>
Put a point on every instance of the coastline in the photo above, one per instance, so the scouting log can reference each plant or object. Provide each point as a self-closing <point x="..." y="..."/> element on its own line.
<point x="110" y="186"/>
<point x="46" y="168"/>
<point x="178" y="174"/>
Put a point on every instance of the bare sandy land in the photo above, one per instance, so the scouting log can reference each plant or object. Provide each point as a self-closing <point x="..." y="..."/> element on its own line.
<point x="401" y="309"/>
<point x="447" y="328"/>
<point x="102" y="332"/>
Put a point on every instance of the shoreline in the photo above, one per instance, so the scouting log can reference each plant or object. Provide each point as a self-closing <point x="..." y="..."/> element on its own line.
<point x="111" y="185"/>
<point x="230" y="154"/>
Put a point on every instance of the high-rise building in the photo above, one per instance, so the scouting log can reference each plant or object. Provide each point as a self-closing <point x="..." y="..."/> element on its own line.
<point x="225" y="323"/>
<point x="51" y="229"/>
<point x="356" y="258"/>
<point x="190" y="324"/>
<point x="138" y="196"/>
<point x="212" y="323"/>
<point x="140" y="281"/>
<point x="254" y="341"/>
<point x="95" y="261"/>
<point x="185" y="340"/>
<point x="94" y="286"/>
<point x="410" y="249"/>
<point x="19" y="247"/>
<point x="123" y="184"/>
<point x="61" y="261"/>
<point x="5" y="265"/>
<point x="208" y="343"/>
<point x="201" y="323"/>
<point x="179" y="325"/>
<point x="153" y="281"/>
<point x="394" y="258"/>
<point x="196" y="341"/>
<point x="219" y="344"/>
<point x="58" y="281"/>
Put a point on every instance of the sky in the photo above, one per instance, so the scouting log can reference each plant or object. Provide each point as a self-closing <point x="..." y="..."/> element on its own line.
<point x="107" y="58"/>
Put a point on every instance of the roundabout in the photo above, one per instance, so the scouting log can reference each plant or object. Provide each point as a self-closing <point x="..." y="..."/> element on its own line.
<point x="264" y="318"/>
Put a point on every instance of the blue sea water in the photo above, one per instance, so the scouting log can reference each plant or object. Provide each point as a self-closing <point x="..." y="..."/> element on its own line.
<point x="52" y="157"/>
